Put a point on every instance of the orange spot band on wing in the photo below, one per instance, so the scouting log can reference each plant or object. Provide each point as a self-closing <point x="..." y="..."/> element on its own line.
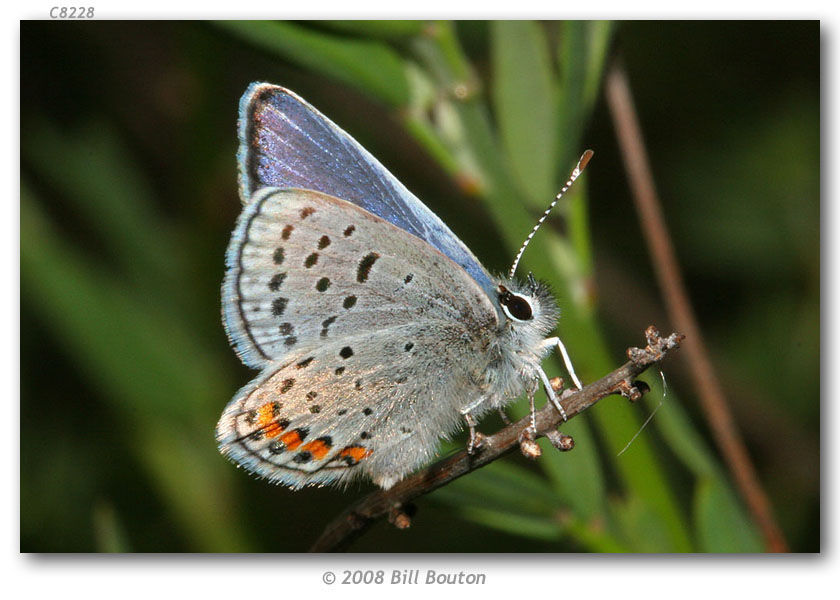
<point x="291" y="440"/>
<point x="355" y="453"/>
<point x="317" y="448"/>
<point x="267" y="420"/>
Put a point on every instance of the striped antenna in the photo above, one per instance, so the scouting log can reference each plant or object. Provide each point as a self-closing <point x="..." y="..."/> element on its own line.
<point x="584" y="160"/>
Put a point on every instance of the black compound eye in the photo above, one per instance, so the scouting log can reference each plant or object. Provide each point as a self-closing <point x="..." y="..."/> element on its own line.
<point x="516" y="306"/>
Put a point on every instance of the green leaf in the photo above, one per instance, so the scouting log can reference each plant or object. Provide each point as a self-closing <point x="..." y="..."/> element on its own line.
<point x="196" y="482"/>
<point x="504" y="487"/>
<point x="109" y="532"/>
<point x="640" y="469"/>
<point x="722" y="525"/>
<point x="515" y="500"/>
<point x="524" y="98"/>
<point x="114" y="333"/>
<point x="540" y="528"/>
<point x="580" y="55"/>
<point x="370" y="66"/>
<point x="576" y="476"/>
<point x="600" y="34"/>
<point x="641" y="526"/>
<point x="154" y="373"/>
<point x="674" y="425"/>
<point x="102" y="186"/>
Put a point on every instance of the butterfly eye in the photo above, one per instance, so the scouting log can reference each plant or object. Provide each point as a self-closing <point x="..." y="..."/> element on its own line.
<point x="515" y="306"/>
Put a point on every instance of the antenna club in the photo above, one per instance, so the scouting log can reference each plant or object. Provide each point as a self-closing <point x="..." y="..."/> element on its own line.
<point x="585" y="158"/>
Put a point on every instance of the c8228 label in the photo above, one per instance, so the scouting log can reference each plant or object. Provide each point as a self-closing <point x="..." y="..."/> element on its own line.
<point x="72" y="12"/>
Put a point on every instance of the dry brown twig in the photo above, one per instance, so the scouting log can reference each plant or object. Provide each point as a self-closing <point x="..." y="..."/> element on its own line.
<point x="395" y="503"/>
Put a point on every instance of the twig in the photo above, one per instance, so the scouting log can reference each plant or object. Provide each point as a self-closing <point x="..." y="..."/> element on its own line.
<point x="680" y="310"/>
<point x="396" y="501"/>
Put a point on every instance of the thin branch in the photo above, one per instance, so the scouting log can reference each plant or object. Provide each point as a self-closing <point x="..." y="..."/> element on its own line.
<point x="395" y="502"/>
<point x="680" y="310"/>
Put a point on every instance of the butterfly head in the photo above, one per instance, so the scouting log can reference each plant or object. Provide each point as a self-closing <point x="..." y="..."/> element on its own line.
<point x="530" y="307"/>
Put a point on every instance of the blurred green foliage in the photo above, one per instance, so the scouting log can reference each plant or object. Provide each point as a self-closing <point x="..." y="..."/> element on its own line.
<point x="128" y="196"/>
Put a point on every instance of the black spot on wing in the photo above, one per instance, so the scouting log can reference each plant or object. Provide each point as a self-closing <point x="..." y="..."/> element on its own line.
<point x="302" y="457"/>
<point x="279" y="255"/>
<point x="276" y="281"/>
<point x="325" y="325"/>
<point x="305" y="362"/>
<point x="278" y="306"/>
<point x="365" y="265"/>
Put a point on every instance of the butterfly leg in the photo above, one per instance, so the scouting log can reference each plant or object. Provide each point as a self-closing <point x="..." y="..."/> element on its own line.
<point x="476" y="437"/>
<point x="527" y="437"/>
<point x="504" y="416"/>
<point x="555" y="341"/>
<point x="552" y="396"/>
<point x="531" y="393"/>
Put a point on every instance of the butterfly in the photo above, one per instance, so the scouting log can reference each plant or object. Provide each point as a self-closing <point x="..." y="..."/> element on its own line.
<point x="376" y="332"/>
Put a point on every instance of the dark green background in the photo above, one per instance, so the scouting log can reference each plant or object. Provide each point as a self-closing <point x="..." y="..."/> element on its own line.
<point x="128" y="197"/>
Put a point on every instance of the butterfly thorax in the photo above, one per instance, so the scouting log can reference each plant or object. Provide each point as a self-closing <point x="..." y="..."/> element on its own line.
<point x="531" y="313"/>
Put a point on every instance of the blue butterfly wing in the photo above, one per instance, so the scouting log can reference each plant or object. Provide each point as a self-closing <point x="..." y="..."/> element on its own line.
<point x="286" y="143"/>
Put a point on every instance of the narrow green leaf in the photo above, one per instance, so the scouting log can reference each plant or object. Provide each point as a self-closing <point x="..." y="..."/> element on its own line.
<point x="108" y="531"/>
<point x="369" y="66"/>
<point x="600" y="35"/>
<point x="722" y="525"/>
<point x="106" y="191"/>
<point x="642" y="527"/>
<point x="516" y="515"/>
<point x="640" y="469"/>
<point x="674" y="425"/>
<point x="581" y="54"/>
<point x="540" y="528"/>
<point x="594" y="536"/>
<point x="196" y="482"/>
<point x="576" y="476"/>
<point x="524" y="97"/>
<point x="150" y="369"/>
<point x="503" y="487"/>
<point x="111" y="331"/>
